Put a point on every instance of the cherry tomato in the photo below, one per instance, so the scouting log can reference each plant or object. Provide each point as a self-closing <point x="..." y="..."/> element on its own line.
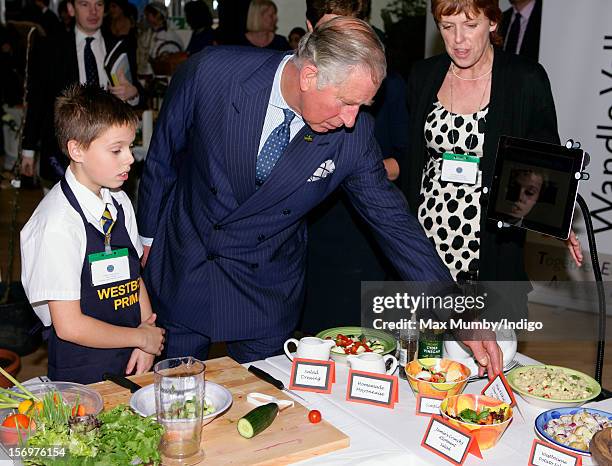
<point x="80" y="411"/>
<point x="314" y="416"/>
<point x="15" y="420"/>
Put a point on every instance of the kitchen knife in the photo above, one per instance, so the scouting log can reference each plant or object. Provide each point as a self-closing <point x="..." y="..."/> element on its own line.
<point x="263" y="375"/>
<point x="122" y="381"/>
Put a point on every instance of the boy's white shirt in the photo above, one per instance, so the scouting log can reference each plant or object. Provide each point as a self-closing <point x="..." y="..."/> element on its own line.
<point x="53" y="243"/>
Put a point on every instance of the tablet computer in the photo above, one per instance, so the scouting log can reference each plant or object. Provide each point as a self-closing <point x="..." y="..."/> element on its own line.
<point x="535" y="186"/>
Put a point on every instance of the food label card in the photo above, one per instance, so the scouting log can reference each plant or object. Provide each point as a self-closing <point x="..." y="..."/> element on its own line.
<point x="545" y="454"/>
<point x="312" y="375"/>
<point x="449" y="442"/>
<point x="372" y="388"/>
<point x="498" y="388"/>
<point x="427" y="405"/>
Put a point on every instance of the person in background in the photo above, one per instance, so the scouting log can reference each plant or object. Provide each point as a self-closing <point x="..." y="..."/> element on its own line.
<point x="77" y="57"/>
<point x="120" y="25"/>
<point x="520" y="28"/>
<point x="156" y="39"/>
<point x="460" y="102"/>
<point x="261" y="26"/>
<point x="232" y="21"/>
<point x="48" y="19"/>
<point x="80" y="249"/>
<point x="67" y="21"/>
<point x="199" y="18"/>
<point x="294" y="37"/>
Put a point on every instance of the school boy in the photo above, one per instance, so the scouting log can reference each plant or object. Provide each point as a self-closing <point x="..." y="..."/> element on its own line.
<point x="80" y="249"/>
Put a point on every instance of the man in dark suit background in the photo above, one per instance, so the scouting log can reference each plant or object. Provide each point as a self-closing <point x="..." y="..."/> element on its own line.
<point x="520" y="28"/>
<point x="247" y="142"/>
<point x="48" y="19"/>
<point x="57" y="62"/>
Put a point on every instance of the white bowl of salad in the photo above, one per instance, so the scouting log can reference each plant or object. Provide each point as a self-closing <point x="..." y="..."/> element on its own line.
<point x="552" y="386"/>
<point x="357" y="340"/>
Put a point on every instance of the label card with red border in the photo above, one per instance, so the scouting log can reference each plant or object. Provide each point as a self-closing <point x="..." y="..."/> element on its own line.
<point x="449" y="442"/>
<point x="372" y="388"/>
<point x="312" y="375"/>
<point x="546" y="454"/>
<point x="427" y="405"/>
<point x="500" y="389"/>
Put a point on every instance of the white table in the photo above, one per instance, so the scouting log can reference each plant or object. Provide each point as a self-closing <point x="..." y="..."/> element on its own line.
<point x="380" y="436"/>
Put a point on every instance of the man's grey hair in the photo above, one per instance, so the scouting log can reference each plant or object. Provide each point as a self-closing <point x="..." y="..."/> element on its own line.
<point x="338" y="47"/>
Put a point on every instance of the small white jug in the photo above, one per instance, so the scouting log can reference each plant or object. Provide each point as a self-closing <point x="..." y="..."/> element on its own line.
<point x="372" y="362"/>
<point x="310" y="348"/>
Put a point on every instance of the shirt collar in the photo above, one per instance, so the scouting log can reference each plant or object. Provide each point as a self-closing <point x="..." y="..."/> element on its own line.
<point x="276" y="96"/>
<point x="80" y="36"/>
<point x="93" y="207"/>
<point x="526" y="11"/>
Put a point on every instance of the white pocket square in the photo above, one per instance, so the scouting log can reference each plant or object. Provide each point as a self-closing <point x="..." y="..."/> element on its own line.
<point x="323" y="171"/>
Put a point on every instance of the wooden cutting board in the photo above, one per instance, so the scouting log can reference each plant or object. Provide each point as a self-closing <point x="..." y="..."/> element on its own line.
<point x="289" y="439"/>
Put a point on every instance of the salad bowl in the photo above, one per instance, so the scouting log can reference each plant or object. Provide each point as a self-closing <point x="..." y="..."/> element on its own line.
<point x="359" y="340"/>
<point x="550" y="387"/>
<point x="217" y="397"/>
<point x="437" y="377"/>
<point x="475" y="413"/>
<point x="555" y="424"/>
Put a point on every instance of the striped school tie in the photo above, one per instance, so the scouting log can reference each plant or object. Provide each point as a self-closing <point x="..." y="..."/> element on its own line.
<point x="106" y="222"/>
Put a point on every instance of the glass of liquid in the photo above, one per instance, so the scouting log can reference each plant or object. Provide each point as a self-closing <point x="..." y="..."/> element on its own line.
<point x="179" y="403"/>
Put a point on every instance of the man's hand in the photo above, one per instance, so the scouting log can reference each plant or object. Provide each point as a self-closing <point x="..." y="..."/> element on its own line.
<point x="574" y="247"/>
<point x="489" y="356"/>
<point x="27" y="166"/>
<point x="392" y="168"/>
<point x="145" y="255"/>
<point x="124" y="89"/>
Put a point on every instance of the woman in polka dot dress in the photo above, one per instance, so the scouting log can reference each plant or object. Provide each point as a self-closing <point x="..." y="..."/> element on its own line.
<point x="461" y="102"/>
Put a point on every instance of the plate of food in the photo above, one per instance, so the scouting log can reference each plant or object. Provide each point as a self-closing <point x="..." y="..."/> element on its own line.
<point x="572" y="429"/>
<point x="217" y="399"/>
<point x="357" y="340"/>
<point x="552" y="386"/>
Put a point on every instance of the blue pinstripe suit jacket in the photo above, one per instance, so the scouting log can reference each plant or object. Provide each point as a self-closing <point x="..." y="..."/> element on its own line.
<point x="228" y="260"/>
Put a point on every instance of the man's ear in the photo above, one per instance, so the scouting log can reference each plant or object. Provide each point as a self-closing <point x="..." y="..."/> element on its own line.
<point x="75" y="151"/>
<point x="308" y="77"/>
<point x="70" y="9"/>
<point x="492" y="26"/>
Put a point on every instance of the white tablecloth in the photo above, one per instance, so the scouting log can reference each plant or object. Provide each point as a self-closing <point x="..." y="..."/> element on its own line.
<point x="381" y="436"/>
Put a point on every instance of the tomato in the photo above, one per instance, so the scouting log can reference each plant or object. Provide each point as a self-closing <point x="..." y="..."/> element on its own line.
<point x="15" y="420"/>
<point x="314" y="416"/>
<point x="80" y="411"/>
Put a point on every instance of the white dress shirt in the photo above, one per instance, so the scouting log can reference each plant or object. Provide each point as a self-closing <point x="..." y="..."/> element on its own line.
<point x="274" y="117"/>
<point x="525" y="15"/>
<point x="53" y="242"/>
<point x="99" y="50"/>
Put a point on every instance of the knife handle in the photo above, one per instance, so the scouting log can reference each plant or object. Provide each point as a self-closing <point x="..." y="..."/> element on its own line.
<point x="266" y="377"/>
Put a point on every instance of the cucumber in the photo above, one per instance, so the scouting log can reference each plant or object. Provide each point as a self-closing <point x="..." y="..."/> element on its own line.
<point x="257" y="420"/>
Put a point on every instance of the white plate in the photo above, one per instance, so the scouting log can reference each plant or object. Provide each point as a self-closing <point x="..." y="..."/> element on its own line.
<point x="471" y="364"/>
<point x="143" y="401"/>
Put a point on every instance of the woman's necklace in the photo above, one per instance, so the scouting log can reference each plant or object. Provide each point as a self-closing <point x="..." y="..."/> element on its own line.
<point x="469" y="79"/>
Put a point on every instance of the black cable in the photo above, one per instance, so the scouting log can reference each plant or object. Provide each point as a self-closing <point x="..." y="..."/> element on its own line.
<point x="600" y="288"/>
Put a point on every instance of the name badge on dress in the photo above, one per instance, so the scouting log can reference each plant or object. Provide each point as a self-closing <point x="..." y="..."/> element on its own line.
<point x="459" y="168"/>
<point x="109" y="267"/>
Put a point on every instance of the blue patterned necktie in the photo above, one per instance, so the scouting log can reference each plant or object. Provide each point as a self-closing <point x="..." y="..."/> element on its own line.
<point x="273" y="148"/>
<point x="91" y="66"/>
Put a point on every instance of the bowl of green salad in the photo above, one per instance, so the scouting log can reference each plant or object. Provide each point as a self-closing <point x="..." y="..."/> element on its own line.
<point x="217" y="399"/>
<point x="357" y="340"/>
<point x="552" y="386"/>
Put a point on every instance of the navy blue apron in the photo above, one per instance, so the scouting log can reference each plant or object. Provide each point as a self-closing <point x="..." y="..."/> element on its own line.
<point x="75" y="363"/>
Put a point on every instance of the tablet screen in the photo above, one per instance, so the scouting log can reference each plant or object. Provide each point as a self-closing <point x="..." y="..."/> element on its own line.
<point x="535" y="186"/>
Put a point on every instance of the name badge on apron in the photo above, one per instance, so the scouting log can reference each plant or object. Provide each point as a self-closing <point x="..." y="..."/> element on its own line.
<point x="459" y="168"/>
<point x="109" y="267"/>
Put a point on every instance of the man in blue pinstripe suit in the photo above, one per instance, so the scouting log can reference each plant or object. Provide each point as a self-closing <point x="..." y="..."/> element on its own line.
<point x="228" y="257"/>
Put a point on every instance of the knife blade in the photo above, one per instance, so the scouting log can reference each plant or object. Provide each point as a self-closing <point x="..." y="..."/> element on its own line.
<point x="263" y="375"/>
<point x="122" y="381"/>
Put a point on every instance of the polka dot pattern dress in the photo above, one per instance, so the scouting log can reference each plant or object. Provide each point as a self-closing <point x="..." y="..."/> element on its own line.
<point x="450" y="212"/>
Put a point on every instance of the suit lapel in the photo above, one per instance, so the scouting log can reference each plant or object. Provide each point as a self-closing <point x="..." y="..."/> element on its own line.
<point x="249" y="101"/>
<point x="72" y="63"/>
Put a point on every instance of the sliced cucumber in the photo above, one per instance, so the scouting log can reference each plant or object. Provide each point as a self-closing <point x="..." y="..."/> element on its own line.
<point x="257" y="420"/>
